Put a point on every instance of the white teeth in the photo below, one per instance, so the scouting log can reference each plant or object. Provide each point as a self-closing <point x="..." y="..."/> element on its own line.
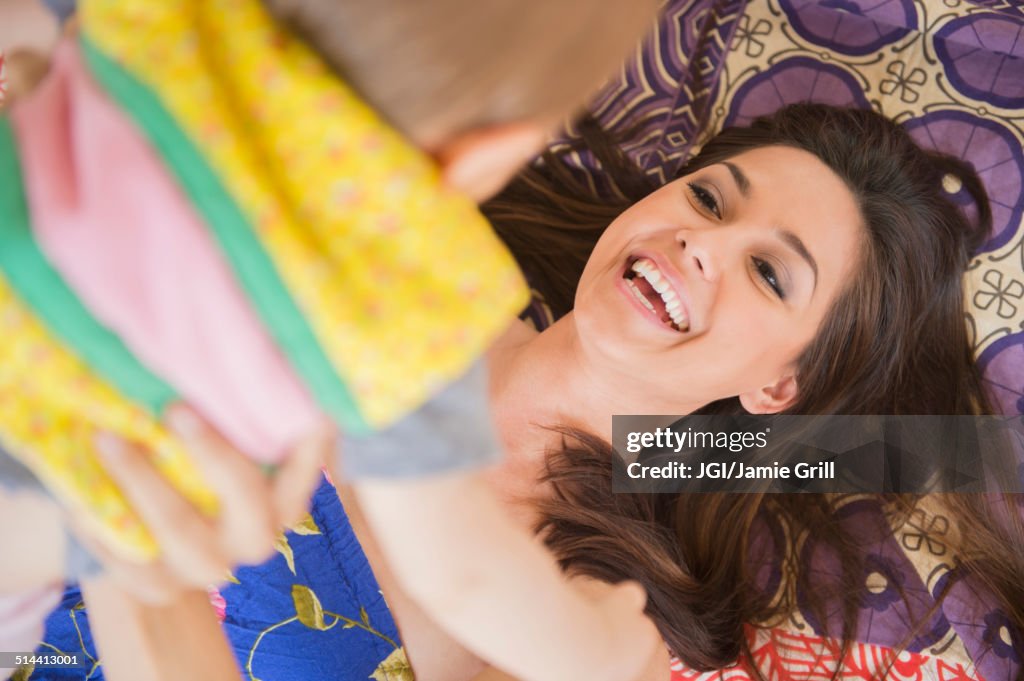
<point x="673" y="305"/>
<point x="643" y="266"/>
<point x="679" y="319"/>
<point x="640" y="296"/>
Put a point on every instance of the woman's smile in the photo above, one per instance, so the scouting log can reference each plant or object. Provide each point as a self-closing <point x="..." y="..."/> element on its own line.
<point x="656" y="290"/>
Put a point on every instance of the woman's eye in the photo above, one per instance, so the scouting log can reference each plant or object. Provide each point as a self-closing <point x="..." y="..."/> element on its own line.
<point x="706" y="198"/>
<point x="769" y="276"/>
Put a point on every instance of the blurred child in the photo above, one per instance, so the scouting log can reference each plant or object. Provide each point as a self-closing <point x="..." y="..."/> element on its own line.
<point x="136" y="232"/>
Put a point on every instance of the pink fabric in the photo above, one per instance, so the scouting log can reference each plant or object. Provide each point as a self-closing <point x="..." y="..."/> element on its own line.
<point x="22" y="617"/>
<point x="114" y="223"/>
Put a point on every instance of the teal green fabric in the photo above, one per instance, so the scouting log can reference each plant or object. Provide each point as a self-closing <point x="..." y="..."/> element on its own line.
<point x="241" y="247"/>
<point x="43" y="289"/>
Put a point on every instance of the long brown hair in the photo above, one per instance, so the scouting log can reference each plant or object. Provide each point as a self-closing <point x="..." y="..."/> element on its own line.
<point x="894" y="342"/>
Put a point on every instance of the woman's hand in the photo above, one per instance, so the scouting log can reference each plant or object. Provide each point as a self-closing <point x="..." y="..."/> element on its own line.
<point x="196" y="550"/>
<point x="635" y="649"/>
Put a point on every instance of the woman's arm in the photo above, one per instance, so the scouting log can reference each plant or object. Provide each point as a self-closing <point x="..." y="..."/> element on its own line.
<point x="433" y="654"/>
<point x="493" y="674"/>
<point x="495" y="588"/>
<point x="657" y="670"/>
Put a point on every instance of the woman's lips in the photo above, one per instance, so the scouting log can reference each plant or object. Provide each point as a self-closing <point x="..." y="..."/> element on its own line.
<point x="652" y="290"/>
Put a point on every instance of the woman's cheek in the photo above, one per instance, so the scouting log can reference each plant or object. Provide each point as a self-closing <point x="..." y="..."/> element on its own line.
<point x="752" y="339"/>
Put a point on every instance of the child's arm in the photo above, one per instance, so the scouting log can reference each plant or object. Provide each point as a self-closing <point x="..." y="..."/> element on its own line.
<point x="496" y="589"/>
<point x="31" y="582"/>
<point x="31" y="532"/>
<point x="37" y="555"/>
<point x="32" y="528"/>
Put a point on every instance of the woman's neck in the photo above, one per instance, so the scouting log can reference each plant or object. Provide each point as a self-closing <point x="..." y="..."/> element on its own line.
<point x="539" y="380"/>
<point x="531" y="379"/>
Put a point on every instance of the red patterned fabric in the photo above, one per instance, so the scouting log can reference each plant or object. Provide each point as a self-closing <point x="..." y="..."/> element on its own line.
<point x="783" y="655"/>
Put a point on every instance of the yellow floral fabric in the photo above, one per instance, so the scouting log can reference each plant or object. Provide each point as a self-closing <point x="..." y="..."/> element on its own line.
<point x="52" y="405"/>
<point x="402" y="281"/>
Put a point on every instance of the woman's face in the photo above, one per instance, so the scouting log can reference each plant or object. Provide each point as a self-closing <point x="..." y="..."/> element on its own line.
<point x="713" y="285"/>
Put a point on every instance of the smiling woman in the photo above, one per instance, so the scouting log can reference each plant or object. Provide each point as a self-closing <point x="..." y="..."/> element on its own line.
<point x="807" y="264"/>
<point x="728" y="251"/>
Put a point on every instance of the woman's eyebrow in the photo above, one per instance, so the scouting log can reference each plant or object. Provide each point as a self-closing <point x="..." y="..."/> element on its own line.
<point x="788" y="237"/>
<point x="741" y="180"/>
<point x="794" y="242"/>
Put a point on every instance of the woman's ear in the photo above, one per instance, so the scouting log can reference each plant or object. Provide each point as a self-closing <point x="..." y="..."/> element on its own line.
<point x="479" y="162"/>
<point x="771" y="399"/>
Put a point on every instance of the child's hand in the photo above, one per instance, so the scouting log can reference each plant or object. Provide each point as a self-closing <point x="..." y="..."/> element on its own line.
<point x="197" y="551"/>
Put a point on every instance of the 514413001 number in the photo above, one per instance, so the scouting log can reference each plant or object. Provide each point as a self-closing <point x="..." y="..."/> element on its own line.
<point x="10" y="660"/>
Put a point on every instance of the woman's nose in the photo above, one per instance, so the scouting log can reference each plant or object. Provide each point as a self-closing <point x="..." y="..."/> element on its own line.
<point x="698" y="255"/>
